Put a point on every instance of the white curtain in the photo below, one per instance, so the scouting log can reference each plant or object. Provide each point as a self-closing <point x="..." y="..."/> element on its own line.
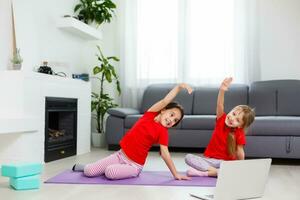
<point x="246" y="41"/>
<point x="193" y="41"/>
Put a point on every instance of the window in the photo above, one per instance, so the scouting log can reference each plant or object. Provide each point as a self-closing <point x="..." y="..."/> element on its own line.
<point x="157" y="28"/>
<point x="210" y="36"/>
<point x="203" y="29"/>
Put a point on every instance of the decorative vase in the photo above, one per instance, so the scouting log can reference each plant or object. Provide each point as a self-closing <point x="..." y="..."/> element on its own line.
<point x="98" y="139"/>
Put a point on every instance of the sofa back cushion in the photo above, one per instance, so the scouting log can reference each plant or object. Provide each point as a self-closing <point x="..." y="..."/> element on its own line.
<point x="205" y="98"/>
<point x="156" y="92"/>
<point x="275" y="97"/>
<point x="262" y="97"/>
<point x="288" y="94"/>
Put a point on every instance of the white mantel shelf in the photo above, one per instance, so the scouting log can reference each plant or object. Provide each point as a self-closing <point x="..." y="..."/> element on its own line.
<point x="79" y="28"/>
<point x="19" y="89"/>
<point x="18" y="124"/>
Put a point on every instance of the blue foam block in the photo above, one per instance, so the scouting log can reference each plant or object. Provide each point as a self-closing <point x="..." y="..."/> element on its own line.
<point x="25" y="183"/>
<point x="20" y="170"/>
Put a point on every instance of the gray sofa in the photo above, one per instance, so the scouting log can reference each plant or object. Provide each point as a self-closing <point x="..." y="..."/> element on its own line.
<point x="274" y="133"/>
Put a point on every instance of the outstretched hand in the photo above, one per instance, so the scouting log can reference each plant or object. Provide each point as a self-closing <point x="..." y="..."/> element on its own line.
<point x="187" y="87"/>
<point x="158" y="106"/>
<point x="181" y="177"/>
<point x="225" y="84"/>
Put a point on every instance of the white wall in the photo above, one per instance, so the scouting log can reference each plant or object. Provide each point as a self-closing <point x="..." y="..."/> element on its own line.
<point x="279" y="36"/>
<point x="6" y="36"/>
<point x="39" y="38"/>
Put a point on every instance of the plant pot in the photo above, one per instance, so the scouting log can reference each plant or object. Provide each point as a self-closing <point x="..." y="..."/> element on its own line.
<point x="98" y="139"/>
<point x="94" y="25"/>
<point x="17" y="66"/>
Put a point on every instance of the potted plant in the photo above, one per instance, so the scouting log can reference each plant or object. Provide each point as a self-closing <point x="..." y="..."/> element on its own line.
<point x="101" y="101"/>
<point x="97" y="11"/>
<point x="17" y="60"/>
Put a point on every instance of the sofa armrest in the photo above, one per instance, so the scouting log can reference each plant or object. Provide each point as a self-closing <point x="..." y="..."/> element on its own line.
<point x="122" y="112"/>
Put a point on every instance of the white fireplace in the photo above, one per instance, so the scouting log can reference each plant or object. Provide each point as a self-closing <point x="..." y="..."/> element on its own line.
<point x="22" y="113"/>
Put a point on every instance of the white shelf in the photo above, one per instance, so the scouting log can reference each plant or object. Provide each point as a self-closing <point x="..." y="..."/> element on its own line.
<point x="79" y="28"/>
<point x="18" y="124"/>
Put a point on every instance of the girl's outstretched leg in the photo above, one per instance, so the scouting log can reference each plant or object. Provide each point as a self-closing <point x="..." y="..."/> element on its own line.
<point x="121" y="171"/>
<point x="98" y="168"/>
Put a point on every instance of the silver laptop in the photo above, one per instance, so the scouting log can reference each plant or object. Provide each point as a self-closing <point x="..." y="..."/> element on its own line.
<point x="240" y="179"/>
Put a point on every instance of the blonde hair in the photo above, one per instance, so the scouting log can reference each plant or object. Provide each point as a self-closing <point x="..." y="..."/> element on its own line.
<point x="248" y="119"/>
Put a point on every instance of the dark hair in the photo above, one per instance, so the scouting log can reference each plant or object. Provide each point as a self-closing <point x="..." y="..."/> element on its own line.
<point x="248" y="118"/>
<point x="175" y="104"/>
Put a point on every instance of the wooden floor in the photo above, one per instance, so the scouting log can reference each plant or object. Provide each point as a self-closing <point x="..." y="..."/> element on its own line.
<point x="284" y="183"/>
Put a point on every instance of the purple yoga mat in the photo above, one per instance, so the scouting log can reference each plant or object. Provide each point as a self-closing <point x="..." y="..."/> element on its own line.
<point x="145" y="178"/>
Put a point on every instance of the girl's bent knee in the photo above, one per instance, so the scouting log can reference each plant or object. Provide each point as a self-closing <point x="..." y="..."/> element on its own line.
<point x="188" y="158"/>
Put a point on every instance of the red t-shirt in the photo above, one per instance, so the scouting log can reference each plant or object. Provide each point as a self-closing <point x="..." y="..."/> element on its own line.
<point x="217" y="147"/>
<point x="140" y="138"/>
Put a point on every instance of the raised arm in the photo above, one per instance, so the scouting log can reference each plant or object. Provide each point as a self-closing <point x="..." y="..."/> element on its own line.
<point x="220" y="102"/>
<point x="158" y="106"/>
<point x="167" y="158"/>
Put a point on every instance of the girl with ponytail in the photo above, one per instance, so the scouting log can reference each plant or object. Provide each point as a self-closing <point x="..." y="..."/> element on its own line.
<point x="228" y="138"/>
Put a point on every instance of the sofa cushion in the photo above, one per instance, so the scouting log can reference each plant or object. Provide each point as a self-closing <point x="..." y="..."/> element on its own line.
<point x="156" y="92"/>
<point x="275" y="97"/>
<point x="205" y="98"/>
<point x="131" y="119"/>
<point x="122" y="112"/>
<point x="198" y="122"/>
<point x="262" y="97"/>
<point x="288" y="97"/>
<point x="275" y="125"/>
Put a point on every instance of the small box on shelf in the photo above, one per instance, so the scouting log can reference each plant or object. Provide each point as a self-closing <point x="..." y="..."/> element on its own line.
<point x="84" y="77"/>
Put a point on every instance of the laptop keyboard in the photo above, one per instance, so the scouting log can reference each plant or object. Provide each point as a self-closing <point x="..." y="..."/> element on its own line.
<point x="210" y="196"/>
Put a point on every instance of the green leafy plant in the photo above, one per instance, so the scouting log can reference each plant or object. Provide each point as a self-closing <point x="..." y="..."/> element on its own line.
<point x="17" y="59"/>
<point x="101" y="101"/>
<point x="98" y="11"/>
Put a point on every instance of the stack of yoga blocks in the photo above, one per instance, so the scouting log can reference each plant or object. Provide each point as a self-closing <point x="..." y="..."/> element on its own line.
<point x="23" y="176"/>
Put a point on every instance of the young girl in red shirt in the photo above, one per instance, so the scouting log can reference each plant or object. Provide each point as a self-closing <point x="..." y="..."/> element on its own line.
<point x="228" y="138"/>
<point x="151" y="128"/>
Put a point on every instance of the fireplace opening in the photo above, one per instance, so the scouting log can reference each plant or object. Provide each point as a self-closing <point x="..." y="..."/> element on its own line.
<point x="60" y="128"/>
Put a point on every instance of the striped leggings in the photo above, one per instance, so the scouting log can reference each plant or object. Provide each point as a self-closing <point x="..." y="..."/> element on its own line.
<point x="202" y="163"/>
<point x="115" y="166"/>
